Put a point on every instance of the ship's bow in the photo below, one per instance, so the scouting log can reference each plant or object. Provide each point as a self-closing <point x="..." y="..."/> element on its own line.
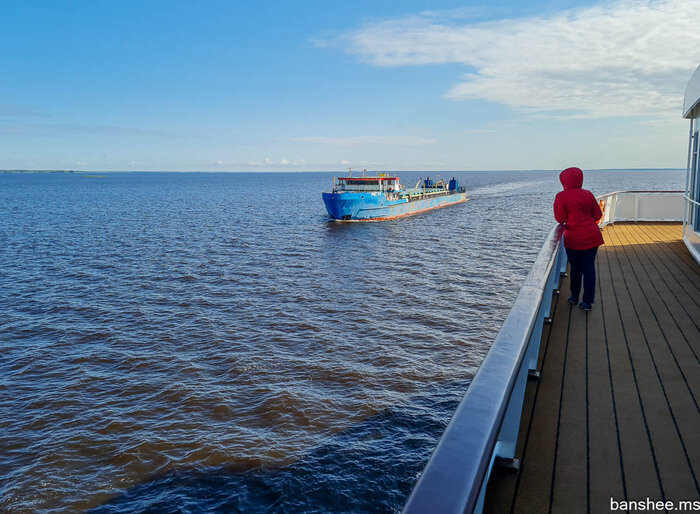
<point x="341" y="206"/>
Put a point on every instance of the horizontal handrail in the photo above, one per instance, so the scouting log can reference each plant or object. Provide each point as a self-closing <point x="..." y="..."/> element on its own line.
<point x="486" y="422"/>
<point x="690" y="200"/>
<point x="632" y="191"/>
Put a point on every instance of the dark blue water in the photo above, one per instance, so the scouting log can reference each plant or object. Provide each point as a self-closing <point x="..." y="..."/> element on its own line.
<point x="210" y="342"/>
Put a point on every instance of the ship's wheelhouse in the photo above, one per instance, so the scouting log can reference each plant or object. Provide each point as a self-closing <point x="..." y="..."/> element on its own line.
<point x="367" y="184"/>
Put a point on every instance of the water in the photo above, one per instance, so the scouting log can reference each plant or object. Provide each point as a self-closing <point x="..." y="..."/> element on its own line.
<point x="210" y="342"/>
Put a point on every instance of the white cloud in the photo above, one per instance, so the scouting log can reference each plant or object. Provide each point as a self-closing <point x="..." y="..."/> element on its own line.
<point x="624" y="58"/>
<point x="365" y="140"/>
<point x="267" y="163"/>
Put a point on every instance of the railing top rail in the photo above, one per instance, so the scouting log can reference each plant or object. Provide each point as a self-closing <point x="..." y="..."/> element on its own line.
<point x="637" y="192"/>
<point x="453" y="478"/>
<point x="690" y="200"/>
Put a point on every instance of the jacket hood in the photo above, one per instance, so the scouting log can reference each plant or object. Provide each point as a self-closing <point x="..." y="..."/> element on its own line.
<point x="571" y="178"/>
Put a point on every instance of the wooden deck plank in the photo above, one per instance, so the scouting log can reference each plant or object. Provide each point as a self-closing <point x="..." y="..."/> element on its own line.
<point x="664" y="233"/>
<point x="685" y="307"/>
<point x="570" y="486"/>
<point x="673" y="283"/>
<point x="678" y="317"/>
<point x="668" y="250"/>
<point x="615" y="414"/>
<point x="667" y="233"/>
<point x="681" y="348"/>
<point x="668" y="254"/>
<point x="656" y="377"/>
<point x="635" y="448"/>
<point x="606" y="480"/>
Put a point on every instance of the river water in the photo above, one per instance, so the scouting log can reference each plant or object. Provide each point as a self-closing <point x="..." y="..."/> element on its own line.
<point x="211" y="342"/>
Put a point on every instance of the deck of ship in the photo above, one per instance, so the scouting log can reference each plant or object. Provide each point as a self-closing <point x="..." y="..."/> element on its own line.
<point x="615" y="413"/>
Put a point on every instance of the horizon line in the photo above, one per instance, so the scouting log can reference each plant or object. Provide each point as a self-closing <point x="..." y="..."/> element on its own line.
<point x="650" y="168"/>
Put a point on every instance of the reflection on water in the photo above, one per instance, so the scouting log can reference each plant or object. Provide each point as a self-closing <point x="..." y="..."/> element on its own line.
<point x="211" y="341"/>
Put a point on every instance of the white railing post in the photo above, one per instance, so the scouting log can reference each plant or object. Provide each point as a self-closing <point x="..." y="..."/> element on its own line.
<point x="613" y="204"/>
<point x="508" y="436"/>
<point x="561" y="257"/>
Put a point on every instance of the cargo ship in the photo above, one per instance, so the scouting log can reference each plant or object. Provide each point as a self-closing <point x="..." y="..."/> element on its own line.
<point x="372" y="198"/>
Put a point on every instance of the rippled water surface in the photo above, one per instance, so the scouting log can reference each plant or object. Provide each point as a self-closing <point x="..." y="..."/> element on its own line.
<point x="210" y="342"/>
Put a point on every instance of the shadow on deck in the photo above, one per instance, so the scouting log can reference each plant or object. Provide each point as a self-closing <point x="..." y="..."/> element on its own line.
<point x="615" y="414"/>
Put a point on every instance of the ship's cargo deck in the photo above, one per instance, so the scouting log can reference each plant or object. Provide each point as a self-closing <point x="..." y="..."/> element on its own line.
<point x="615" y="413"/>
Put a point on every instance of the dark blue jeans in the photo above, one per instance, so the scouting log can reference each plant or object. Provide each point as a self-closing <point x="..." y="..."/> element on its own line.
<point x="582" y="264"/>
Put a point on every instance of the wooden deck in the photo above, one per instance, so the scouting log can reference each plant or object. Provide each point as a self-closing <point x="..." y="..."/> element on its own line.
<point x="615" y="413"/>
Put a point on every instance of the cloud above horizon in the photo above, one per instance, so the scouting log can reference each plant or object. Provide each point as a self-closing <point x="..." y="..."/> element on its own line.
<point x="623" y="58"/>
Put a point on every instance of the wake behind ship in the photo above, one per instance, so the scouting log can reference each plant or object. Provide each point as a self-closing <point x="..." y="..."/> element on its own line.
<point x="380" y="197"/>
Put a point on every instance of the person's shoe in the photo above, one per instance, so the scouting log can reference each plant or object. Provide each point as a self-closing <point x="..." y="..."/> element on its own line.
<point x="586" y="306"/>
<point x="572" y="301"/>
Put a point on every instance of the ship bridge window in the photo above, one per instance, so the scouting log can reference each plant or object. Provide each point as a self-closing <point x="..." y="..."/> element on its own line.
<point x="360" y="182"/>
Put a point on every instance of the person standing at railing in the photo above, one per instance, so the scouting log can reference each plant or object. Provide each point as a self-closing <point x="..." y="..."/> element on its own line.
<point x="577" y="209"/>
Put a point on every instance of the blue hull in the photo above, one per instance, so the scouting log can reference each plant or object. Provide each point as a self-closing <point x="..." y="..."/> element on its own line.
<point x="375" y="206"/>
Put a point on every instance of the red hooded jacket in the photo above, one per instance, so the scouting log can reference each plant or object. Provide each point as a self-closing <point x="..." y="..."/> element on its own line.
<point x="578" y="209"/>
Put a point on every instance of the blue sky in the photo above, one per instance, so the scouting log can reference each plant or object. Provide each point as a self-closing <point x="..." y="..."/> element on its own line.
<point x="312" y="85"/>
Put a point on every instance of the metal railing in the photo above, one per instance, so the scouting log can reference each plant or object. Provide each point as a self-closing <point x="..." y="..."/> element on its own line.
<point x="485" y="425"/>
<point x="642" y="206"/>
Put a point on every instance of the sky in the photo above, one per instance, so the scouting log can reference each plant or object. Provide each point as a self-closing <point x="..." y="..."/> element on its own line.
<point x="316" y="85"/>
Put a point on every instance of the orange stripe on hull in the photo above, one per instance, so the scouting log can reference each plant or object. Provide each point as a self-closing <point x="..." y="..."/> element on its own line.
<point x="405" y="214"/>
